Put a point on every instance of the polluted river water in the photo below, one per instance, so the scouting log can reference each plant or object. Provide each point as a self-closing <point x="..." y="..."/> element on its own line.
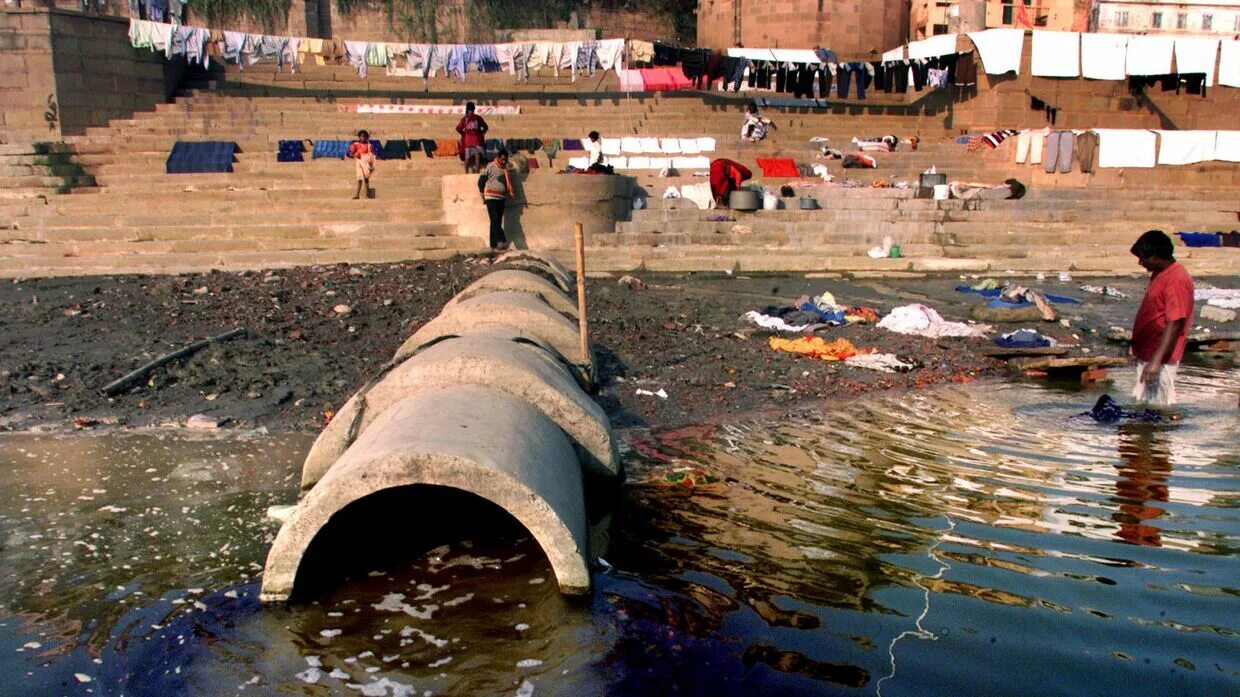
<point x="971" y="539"/>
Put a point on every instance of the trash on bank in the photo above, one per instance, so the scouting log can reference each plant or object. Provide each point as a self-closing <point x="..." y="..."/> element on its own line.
<point x="1104" y="290"/>
<point x="661" y="394"/>
<point x="882" y="362"/>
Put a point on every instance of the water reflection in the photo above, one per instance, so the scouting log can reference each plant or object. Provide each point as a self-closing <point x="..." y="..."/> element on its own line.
<point x="955" y="541"/>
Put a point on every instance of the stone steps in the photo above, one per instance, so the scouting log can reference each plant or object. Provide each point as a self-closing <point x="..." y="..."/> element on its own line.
<point x="232" y="231"/>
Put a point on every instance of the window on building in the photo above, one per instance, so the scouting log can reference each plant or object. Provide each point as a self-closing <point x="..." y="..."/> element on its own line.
<point x="1008" y="12"/>
<point x="940" y="29"/>
<point x="1207" y="22"/>
<point x="1156" y="20"/>
<point x="1121" y="18"/>
<point x="1181" y="20"/>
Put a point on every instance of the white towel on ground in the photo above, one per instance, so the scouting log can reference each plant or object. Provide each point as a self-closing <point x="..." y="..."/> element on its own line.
<point x="925" y="321"/>
<point x="1103" y="56"/>
<point x="1149" y="55"/>
<point x="618" y="162"/>
<point x="1196" y="54"/>
<point x="1185" y="147"/>
<point x="650" y="145"/>
<point x="1125" y="147"/>
<point x="639" y="163"/>
<point x="669" y="146"/>
<point x="659" y="163"/>
<point x="706" y="144"/>
<point x="631" y="145"/>
<point x="611" y="146"/>
<point x="1000" y="49"/>
<point x="1227" y="146"/>
<point x="579" y="162"/>
<point x="941" y="45"/>
<point x="698" y="193"/>
<point x="683" y="163"/>
<point x="1229" y="63"/>
<point x="689" y="146"/>
<point x="1056" y="54"/>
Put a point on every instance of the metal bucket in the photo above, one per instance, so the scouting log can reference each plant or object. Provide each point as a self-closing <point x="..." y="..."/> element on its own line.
<point x="745" y="200"/>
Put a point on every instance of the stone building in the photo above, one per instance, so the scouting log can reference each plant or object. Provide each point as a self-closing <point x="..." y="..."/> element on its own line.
<point x="851" y="29"/>
<point x="1200" y="17"/>
<point x="931" y="17"/>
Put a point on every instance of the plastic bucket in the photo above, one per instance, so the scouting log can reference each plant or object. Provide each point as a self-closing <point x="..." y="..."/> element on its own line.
<point x="942" y="192"/>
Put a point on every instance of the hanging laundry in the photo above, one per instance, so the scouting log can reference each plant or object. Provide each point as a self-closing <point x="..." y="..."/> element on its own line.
<point x="1229" y="62"/>
<point x="1185" y="147"/>
<point x="1125" y="147"/>
<point x="1056" y="54"/>
<point x="1000" y="49"/>
<point x="1149" y="55"/>
<point x="1103" y="56"/>
<point x="1194" y="54"/>
<point x="991" y="140"/>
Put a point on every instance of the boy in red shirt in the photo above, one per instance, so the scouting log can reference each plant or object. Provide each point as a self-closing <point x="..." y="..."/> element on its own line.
<point x="363" y="152"/>
<point x="1160" y="329"/>
<point x="473" y="130"/>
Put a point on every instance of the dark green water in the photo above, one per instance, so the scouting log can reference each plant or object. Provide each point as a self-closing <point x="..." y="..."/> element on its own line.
<point x="969" y="540"/>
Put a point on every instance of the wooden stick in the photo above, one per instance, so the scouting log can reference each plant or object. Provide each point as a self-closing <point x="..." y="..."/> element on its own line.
<point x="120" y="384"/>
<point x="580" y="238"/>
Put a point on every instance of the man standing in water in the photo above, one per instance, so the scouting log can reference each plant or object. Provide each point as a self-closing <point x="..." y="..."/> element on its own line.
<point x="473" y="130"/>
<point x="1160" y="329"/>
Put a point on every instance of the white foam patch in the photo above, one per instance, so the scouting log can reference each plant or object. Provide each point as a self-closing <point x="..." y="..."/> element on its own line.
<point x="310" y="675"/>
<point x="529" y="663"/>
<point x="526" y="689"/>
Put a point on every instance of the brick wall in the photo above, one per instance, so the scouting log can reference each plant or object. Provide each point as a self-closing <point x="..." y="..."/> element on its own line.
<point x="852" y="28"/>
<point x="61" y="72"/>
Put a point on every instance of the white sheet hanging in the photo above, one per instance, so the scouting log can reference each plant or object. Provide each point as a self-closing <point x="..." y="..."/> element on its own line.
<point x="941" y="45"/>
<point x="1104" y="56"/>
<point x="895" y="54"/>
<point x="1185" y="147"/>
<point x="1229" y="63"/>
<point x="1056" y="54"/>
<point x="1000" y="49"/>
<point x="1196" y="54"/>
<point x="754" y="54"/>
<point x="1125" y="147"/>
<point x="1227" y="146"/>
<point x="1149" y="55"/>
<point x="795" y="55"/>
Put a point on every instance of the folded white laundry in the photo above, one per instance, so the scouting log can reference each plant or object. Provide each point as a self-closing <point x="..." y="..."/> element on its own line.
<point x="689" y="146"/>
<point x="1196" y="54"/>
<point x="1103" y="56"/>
<point x="669" y="146"/>
<point x="697" y="162"/>
<point x="1125" y="147"/>
<point x="1185" y="147"/>
<point x="611" y="146"/>
<point x="999" y="49"/>
<point x="1150" y="55"/>
<point x="650" y="145"/>
<point x="1056" y="54"/>
<point x="706" y="144"/>
<point x="1227" y="146"/>
<point x="631" y="145"/>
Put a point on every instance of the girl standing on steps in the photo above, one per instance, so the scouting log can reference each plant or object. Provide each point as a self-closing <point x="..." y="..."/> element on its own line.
<point x="363" y="152"/>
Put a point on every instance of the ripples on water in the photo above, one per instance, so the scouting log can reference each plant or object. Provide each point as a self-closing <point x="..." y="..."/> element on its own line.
<point x="969" y="540"/>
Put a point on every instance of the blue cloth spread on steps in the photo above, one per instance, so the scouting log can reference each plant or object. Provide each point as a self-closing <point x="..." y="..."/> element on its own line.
<point x="200" y="157"/>
<point x="338" y="149"/>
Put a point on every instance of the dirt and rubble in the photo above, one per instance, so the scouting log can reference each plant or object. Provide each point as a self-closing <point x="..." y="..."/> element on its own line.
<point x="317" y="333"/>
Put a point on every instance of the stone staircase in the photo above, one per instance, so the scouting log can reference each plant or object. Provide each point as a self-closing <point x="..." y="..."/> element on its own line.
<point x="123" y="214"/>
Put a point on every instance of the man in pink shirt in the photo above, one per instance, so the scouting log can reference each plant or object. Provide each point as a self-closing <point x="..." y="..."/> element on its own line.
<point x="1160" y="329"/>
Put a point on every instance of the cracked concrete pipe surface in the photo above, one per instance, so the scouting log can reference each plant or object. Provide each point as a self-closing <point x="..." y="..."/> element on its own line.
<point x="474" y="439"/>
<point x="519" y="369"/>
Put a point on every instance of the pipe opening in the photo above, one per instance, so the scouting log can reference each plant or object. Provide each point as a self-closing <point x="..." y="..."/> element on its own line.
<point x="390" y="529"/>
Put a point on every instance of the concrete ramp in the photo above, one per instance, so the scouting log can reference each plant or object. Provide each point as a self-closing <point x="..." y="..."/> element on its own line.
<point x="475" y="439"/>
<point x="501" y="309"/>
<point x="519" y="282"/>
<point x="486" y="360"/>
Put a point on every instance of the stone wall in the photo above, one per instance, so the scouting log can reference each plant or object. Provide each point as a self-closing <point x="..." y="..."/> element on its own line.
<point x="854" y="30"/>
<point x="28" y="105"/>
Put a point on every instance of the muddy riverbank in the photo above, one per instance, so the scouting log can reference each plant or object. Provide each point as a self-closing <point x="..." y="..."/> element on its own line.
<point x="316" y="333"/>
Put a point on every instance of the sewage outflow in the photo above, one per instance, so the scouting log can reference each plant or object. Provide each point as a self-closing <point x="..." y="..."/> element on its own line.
<point x="966" y="540"/>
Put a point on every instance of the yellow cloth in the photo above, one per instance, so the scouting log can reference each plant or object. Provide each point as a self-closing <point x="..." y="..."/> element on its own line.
<point x="815" y="346"/>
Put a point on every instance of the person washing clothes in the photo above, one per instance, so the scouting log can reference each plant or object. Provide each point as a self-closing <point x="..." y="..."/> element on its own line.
<point x="756" y="126"/>
<point x="1160" y="328"/>
<point x="473" y="129"/>
<point x="362" y="151"/>
<point x="496" y="190"/>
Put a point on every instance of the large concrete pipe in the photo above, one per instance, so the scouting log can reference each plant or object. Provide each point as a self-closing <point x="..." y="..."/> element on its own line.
<point x="502" y="309"/>
<point x="550" y="267"/>
<point x="519" y="282"/>
<point x="483" y="359"/>
<point x="475" y="439"/>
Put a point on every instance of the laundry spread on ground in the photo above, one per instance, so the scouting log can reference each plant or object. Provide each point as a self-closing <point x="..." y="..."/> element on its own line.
<point x="816" y="347"/>
<point x="882" y="362"/>
<point x="1024" y="339"/>
<point x="1104" y="290"/>
<point x="921" y="320"/>
<point x="1219" y="297"/>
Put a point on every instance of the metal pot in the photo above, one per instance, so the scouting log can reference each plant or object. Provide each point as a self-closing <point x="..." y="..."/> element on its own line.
<point x="745" y="200"/>
<point x="809" y="203"/>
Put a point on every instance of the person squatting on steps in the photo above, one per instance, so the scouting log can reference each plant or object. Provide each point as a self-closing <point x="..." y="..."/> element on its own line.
<point x="362" y="151"/>
<point x="496" y="189"/>
<point x="755" y="127"/>
<point x="473" y="129"/>
<point x="1160" y="329"/>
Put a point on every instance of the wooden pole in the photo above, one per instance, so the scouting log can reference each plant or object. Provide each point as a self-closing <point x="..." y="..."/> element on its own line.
<point x="580" y="239"/>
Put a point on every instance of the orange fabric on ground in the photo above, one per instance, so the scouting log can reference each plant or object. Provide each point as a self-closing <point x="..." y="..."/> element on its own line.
<point x="815" y="346"/>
